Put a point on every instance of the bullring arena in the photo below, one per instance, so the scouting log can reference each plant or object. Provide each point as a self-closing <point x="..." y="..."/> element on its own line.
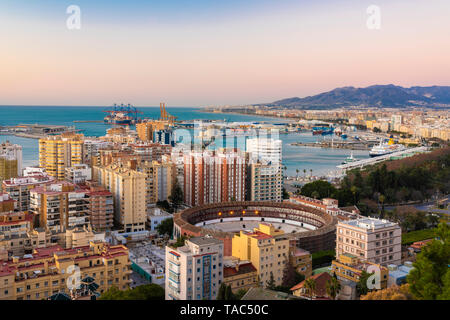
<point x="310" y="228"/>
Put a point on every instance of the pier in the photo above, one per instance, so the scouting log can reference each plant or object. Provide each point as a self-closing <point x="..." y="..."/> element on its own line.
<point x="370" y="161"/>
<point x="335" y="145"/>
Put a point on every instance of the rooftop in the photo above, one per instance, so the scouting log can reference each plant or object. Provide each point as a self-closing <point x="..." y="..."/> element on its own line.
<point x="369" y="223"/>
<point x="201" y="241"/>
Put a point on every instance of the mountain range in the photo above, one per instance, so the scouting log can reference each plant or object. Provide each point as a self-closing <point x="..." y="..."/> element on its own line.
<point x="383" y="96"/>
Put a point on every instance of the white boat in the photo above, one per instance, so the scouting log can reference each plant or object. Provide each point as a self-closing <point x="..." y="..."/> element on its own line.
<point x="350" y="159"/>
<point x="386" y="148"/>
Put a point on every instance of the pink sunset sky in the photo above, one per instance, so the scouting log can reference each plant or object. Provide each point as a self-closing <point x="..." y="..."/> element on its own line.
<point x="229" y="56"/>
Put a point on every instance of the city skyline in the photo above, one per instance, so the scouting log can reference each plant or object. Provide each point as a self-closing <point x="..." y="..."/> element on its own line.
<point x="197" y="54"/>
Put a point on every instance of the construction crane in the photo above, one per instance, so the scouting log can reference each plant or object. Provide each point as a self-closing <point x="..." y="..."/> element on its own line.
<point x="165" y="116"/>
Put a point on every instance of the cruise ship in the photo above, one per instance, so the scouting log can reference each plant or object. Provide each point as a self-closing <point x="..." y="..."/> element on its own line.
<point x="386" y="148"/>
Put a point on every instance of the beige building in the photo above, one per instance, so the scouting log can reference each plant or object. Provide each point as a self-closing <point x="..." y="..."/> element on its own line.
<point x="128" y="187"/>
<point x="266" y="182"/>
<point x="48" y="271"/>
<point x="59" y="206"/>
<point x="56" y="153"/>
<point x="195" y="270"/>
<point x="377" y="241"/>
<point x="266" y="248"/>
<point x="19" y="188"/>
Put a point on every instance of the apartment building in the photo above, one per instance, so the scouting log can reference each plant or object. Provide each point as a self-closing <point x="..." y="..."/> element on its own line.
<point x="374" y="240"/>
<point x="265" y="182"/>
<point x="265" y="149"/>
<point x="301" y="260"/>
<point x="101" y="208"/>
<point x="50" y="270"/>
<point x="195" y="270"/>
<point x="128" y="187"/>
<point x="150" y="151"/>
<point x="10" y="160"/>
<point x="266" y="248"/>
<point x="350" y="267"/>
<point x="19" y="188"/>
<point x="7" y="204"/>
<point x="214" y="176"/>
<point x="56" y="153"/>
<point x="78" y="173"/>
<point x="59" y="206"/>
<point x="239" y="274"/>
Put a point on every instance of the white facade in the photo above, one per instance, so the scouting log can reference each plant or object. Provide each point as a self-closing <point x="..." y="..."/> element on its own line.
<point x="194" y="271"/>
<point x="265" y="149"/>
<point x="79" y="173"/>
<point x="377" y="241"/>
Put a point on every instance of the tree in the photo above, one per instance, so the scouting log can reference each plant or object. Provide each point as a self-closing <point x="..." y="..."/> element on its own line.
<point x="180" y="242"/>
<point x="429" y="279"/>
<point x="176" y="197"/>
<point x="323" y="188"/>
<point x="285" y="193"/>
<point x="165" y="227"/>
<point x="297" y="171"/>
<point x="393" y="293"/>
<point x="225" y="292"/>
<point x="271" y="282"/>
<point x="240" y="293"/>
<point x="304" y="173"/>
<point x="361" y="286"/>
<point x="289" y="276"/>
<point x="310" y="286"/>
<point x="333" y="287"/>
<point x="315" y="194"/>
<point x="145" y="292"/>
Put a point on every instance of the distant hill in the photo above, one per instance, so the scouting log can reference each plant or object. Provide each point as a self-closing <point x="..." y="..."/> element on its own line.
<point x="373" y="96"/>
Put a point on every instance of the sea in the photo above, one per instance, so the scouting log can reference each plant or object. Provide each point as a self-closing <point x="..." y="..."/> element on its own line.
<point x="322" y="161"/>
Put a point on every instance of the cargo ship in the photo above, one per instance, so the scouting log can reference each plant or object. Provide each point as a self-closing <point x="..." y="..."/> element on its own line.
<point x="386" y="148"/>
<point x="122" y="115"/>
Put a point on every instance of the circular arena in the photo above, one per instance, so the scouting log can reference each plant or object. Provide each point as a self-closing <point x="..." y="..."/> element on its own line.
<point x="310" y="228"/>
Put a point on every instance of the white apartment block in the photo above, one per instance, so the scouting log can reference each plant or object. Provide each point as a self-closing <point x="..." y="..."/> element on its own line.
<point x="375" y="240"/>
<point x="265" y="149"/>
<point x="79" y="173"/>
<point x="195" y="270"/>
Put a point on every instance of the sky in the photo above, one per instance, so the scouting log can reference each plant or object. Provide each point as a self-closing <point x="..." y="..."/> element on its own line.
<point x="209" y="52"/>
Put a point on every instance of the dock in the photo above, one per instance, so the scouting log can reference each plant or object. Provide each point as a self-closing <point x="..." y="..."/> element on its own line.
<point x="370" y="161"/>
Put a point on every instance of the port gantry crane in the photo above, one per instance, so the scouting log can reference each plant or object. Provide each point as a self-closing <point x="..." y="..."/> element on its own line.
<point x="165" y="116"/>
<point x="128" y="110"/>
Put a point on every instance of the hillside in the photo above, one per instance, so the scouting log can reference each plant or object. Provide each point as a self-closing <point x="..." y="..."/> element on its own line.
<point x="373" y="96"/>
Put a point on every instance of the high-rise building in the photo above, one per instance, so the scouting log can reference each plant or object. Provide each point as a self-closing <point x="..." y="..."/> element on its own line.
<point x="265" y="182"/>
<point x="56" y="153"/>
<point x="214" y="176"/>
<point x="160" y="178"/>
<point x="266" y="248"/>
<point x="19" y="188"/>
<point x="265" y="177"/>
<point x="195" y="270"/>
<point x="128" y="187"/>
<point x="10" y="160"/>
<point x="267" y="150"/>
<point x="44" y="272"/>
<point x="374" y="240"/>
<point x="59" y="206"/>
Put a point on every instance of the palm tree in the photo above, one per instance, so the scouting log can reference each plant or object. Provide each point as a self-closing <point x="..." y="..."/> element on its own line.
<point x="304" y="173"/>
<point x="310" y="170"/>
<point x="310" y="286"/>
<point x="333" y="287"/>
<point x="296" y="170"/>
